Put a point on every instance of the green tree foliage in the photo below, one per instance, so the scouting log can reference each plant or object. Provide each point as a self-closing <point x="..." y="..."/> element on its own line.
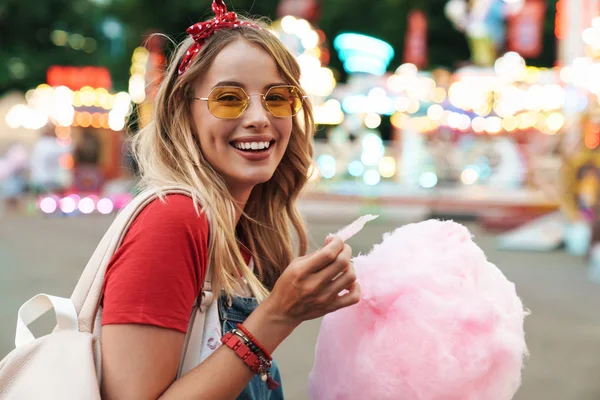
<point x="26" y="49"/>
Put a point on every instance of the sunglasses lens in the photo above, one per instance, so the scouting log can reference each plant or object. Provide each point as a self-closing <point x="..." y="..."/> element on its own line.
<point x="283" y="101"/>
<point x="227" y="102"/>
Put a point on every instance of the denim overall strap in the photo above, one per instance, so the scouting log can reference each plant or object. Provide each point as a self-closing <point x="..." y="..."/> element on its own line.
<point x="231" y="314"/>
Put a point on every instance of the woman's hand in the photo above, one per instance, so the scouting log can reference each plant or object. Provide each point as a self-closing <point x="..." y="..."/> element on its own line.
<point x="310" y="286"/>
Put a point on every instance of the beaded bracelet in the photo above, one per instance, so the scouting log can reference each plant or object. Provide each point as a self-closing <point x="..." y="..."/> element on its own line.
<point x="254" y="341"/>
<point x="255" y="360"/>
<point x="264" y="364"/>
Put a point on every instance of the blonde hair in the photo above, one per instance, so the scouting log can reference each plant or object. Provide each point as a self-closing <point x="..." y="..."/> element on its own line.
<point x="168" y="153"/>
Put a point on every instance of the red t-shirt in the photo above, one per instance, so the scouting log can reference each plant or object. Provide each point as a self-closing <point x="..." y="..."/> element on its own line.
<point x="157" y="272"/>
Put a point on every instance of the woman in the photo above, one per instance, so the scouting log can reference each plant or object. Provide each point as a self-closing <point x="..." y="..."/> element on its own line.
<point x="228" y="127"/>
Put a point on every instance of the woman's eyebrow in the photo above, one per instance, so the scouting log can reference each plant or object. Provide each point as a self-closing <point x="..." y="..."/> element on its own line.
<point x="229" y="83"/>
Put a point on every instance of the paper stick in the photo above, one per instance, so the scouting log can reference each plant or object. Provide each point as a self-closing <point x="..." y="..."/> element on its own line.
<point x="355" y="227"/>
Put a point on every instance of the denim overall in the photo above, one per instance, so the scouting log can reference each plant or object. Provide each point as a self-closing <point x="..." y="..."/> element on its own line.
<point x="232" y="314"/>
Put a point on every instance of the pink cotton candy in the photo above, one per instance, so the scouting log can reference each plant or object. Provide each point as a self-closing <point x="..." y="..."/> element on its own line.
<point x="436" y="321"/>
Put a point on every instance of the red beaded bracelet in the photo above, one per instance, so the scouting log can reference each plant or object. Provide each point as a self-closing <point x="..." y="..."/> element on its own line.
<point x="255" y="342"/>
<point x="256" y="363"/>
<point x="237" y="344"/>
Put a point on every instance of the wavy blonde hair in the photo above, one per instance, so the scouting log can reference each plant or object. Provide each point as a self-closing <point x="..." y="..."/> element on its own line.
<point x="168" y="153"/>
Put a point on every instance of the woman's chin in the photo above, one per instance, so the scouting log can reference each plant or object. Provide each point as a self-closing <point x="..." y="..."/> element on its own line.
<point x="254" y="179"/>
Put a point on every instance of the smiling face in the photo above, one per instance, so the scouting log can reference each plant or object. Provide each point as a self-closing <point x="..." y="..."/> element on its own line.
<point x="245" y="150"/>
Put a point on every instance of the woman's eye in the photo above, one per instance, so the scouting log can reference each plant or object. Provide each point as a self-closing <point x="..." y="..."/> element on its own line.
<point x="229" y="97"/>
<point x="277" y="97"/>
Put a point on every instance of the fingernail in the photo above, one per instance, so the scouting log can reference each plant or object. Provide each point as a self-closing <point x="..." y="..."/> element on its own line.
<point x="328" y="239"/>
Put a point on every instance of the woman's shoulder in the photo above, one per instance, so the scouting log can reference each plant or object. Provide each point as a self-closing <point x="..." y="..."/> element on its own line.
<point x="173" y="207"/>
<point x="173" y="213"/>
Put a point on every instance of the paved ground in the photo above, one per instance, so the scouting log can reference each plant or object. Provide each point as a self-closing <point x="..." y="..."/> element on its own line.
<point x="47" y="254"/>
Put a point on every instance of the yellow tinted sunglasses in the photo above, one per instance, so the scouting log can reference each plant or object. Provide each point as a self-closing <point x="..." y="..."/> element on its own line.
<point x="227" y="102"/>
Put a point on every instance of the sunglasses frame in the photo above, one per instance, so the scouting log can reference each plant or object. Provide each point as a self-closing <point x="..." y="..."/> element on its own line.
<point x="263" y="100"/>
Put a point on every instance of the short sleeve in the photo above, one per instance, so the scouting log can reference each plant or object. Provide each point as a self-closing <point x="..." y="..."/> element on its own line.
<point x="157" y="272"/>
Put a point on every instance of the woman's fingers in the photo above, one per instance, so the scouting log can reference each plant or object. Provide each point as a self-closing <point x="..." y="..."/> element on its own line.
<point x="324" y="256"/>
<point x="309" y="287"/>
<point x="342" y="282"/>
<point x="337" y="267"/>
<point x="346" y="300"/>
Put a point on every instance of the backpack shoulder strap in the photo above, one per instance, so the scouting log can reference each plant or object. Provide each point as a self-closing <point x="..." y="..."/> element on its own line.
<point x="192" y="348"/>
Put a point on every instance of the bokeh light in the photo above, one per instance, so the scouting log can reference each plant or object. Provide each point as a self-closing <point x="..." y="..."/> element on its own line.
<point x="105" y="206"/>
<point x="48" y="205"/>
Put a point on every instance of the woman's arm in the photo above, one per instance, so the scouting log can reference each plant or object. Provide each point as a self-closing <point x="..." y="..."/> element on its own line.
<point x="141" y="361"/>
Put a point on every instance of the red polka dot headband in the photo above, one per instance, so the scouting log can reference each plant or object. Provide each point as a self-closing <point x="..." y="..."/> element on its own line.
<point x="201" y="30"/>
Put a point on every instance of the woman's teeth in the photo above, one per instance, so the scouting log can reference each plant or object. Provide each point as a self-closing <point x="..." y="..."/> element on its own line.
<point x="251" y="145"/>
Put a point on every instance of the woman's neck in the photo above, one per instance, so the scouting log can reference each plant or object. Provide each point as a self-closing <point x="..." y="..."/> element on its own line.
<point x="240" y="198"/>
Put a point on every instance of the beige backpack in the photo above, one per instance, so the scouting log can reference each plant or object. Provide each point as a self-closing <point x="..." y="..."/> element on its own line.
<point x="66" y="364"/>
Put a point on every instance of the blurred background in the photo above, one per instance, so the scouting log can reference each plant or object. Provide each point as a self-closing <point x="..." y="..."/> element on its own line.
<point x="482" y="111"/>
